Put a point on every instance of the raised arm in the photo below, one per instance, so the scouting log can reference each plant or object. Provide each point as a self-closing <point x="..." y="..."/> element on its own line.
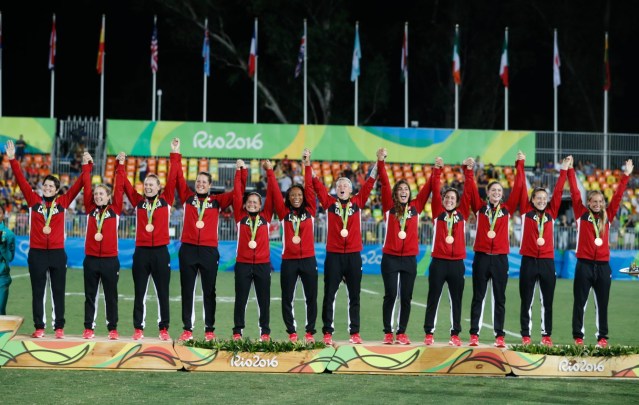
<point x="555" y="201"/>
<point x="387" y="193"/>
<point x="435" y="183"/>
<point x="309" y="192"/>
<point x="273" y="191"/>
<point x="176" y="165"/>
<point x="31" y="196"/>
<point x="577" y="204"/>
<point x="470" y="188"/>
<point x="424" y="192"/>
<point x="66" y="199"/>
<point x="183" y="188"/>
<point x="464" y="204"/>
<point x="616" y="198"/>
<point x="89" y="203"/>
<point x="238" y="191"/>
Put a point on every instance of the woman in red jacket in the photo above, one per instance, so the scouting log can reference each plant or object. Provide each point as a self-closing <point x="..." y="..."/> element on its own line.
<point x="47" y="259"/>
<point x="253" y="264"/>
<point x="296" y="212"/>
<point x="593" y="254"/>
<point x="101" y="263"/>
<point x="492" y="246"/>
<point x="538" y="254"/>
<point x="399" y="258"/>
<point x="449" y="252"/>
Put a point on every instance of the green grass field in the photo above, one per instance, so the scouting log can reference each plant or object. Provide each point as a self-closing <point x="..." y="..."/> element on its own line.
<point x="79" y="387"/>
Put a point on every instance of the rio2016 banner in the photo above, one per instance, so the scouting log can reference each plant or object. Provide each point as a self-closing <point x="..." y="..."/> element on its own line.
<point x="327" y="142"/>
<point x="38" y="132"/>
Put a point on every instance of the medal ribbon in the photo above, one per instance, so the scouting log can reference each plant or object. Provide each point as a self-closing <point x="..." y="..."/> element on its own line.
<point x="403" y="218"/>
<point x="150" y="211"/>
<point x="492" y="217"/>
<point x="595" y="224"/>
<point x="100" y="219"/>
<point x="200" y="207"/>
<point x="48" y="212"/>
<point x="343" y="213"/>
<point x="253" y="225"/>
<point x="450" y="220"/>
<point x="295" y="220"/>
<point x="540" y="224"/>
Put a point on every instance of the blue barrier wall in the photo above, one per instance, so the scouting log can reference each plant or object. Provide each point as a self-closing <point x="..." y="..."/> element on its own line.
<point x="371" y="257"/>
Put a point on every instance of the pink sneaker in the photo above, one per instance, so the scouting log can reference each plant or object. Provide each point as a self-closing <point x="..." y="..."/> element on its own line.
<point x="237" y="336"/>
<point x="292" y="337"/>
<point x="579" y="342"/>
<point x="164" y="335"/>
<point x="59" y="333"/>
<point x="454" y="341"/>
<point x="328" y="338"/>
<point x="38" y="333"/>
<point x="185" y="336"/>
<point x="402" y="339"/>
<point x="309" y="337"/>
<point x="138" y="334"/>
<point x="208" y="336"/>
<point x="88" y="334"/>
<point x="266" y="337"/>
<point x="474" y="340"/>
<point x="429" y="340"/>
<point x="525" y="340"/>
<point x="602" y="343"/>
<point x="546" y="341"/>
<point x="114" y="335"/>
<point x="355" y="339"/>
<point x="499" y="342"/>
<point x="388" y="339"/>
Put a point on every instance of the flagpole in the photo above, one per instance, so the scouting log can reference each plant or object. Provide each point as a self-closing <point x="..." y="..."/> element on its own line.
<point x="102" y="77"/>
<point x="52" y="46"/>
<point x="153" y="73"/>
<point x="506" y="89"/>
<point x="406" y="79"/>
<point x="305" y="75"/>
<point x="606" y="88"/>
<point x="0" y="64"/>
<point x="457" y="86"/>
<point x="205" y="86"/>
<point x="356" y="107"/>
<point x="556" y="80"/>
<point x="255" y="78"/>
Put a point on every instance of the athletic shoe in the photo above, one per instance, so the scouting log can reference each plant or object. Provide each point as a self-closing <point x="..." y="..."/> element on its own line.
<point x="164" y="335"/>
<point x="429" y="340"/>
<point x="602" y="343"/>
<point x="579" y="342"/>
<point x="38" y="333"/>
<point x="88" y="334"/>
<point x="265" y="337"/>
<point x="138" y="334"/>
<point x="208" y="336"/>
<point x="309" y="337"/>
<point x="454" y="341"/>
<point x="388" y="339"/>
<point x="186" y="335"/>
<point x="355" y="339"/>
<point x="474" y="340"/>
<point x="525" y="340"/>
<point x="113" y="335"/>
<point x="328" y="338"/>
<point x="499" y="342"/>
<point x="546" y="341"/>
<point x="402" y="339"/>
<point x="292" y="337"/>
<point x="237" y="336"/>
<point x="59" y="333"/>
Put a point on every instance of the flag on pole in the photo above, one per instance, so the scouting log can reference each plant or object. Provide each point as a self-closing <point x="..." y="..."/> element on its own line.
<point x="503" y="67"/>
<point x="52" y="45"/>
<point x="456" y="60"/>
<point x="556" y="63"/>
<point x="357" y="55"/>
<point x="100" y="63"/>
<point x="154" y="48"/>
<point x="0" y="43"/>
<point x="300" y="57"/>
<point x="252" y="55"/>
<point x="206" y="53"/>
<point x="404" y="64"/>
<point x="606" y="66"/>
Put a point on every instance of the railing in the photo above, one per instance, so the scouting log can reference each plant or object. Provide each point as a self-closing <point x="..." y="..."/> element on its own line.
<point x="373" y="233"/>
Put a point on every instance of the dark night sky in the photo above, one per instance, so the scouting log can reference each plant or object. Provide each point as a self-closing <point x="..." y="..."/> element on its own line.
<point x="26" y="78"/>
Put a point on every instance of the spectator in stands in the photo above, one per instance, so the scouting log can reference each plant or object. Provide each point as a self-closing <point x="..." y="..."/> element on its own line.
<point x="101" y="263"/>
<point x="142" y="169"/>
<point x="564" y="225"/>
<point x="482" y="183"/>
<point x="199" y="255"/>
<point x="253" y="263"/>
<point x="285" y="182"/>
<point x="47" y="259"/>
<point x="538" y="254"/>
<point x="593" y="254"/>
<point x="7" y="252"/>
<point x="399" y="258"/>
<point x="448" y="254"/>
<point x="343" y="247"/>
<point x="296" y="212"/>
<point x="491" y="249"/>
<point x="21" y="147"/>
<point x="151" y="256"/>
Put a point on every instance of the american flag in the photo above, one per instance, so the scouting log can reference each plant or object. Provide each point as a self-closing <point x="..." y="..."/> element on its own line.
<point x="300" y="57"/>
<point x="154" y="48"/>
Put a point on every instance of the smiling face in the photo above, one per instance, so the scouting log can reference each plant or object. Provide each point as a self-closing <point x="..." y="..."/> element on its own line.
<point x="101" y="195"/>
<point x="539" y="199"/>
<point x="202" y="184"/>
<point x="343" y="189"/>
<point x="49" y="188"/>
<point x="596" y="202"/>
<point x="402" y="193"/>
<point x="253" y="204"/>
<point x="295" y="197"/>
<point x="450" y="200"/>
<point x="151" y="186"/>
<point x="495" y="193"/>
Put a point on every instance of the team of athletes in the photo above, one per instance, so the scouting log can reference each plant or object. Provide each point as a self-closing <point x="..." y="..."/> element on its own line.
<point x="296" y="209"/>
